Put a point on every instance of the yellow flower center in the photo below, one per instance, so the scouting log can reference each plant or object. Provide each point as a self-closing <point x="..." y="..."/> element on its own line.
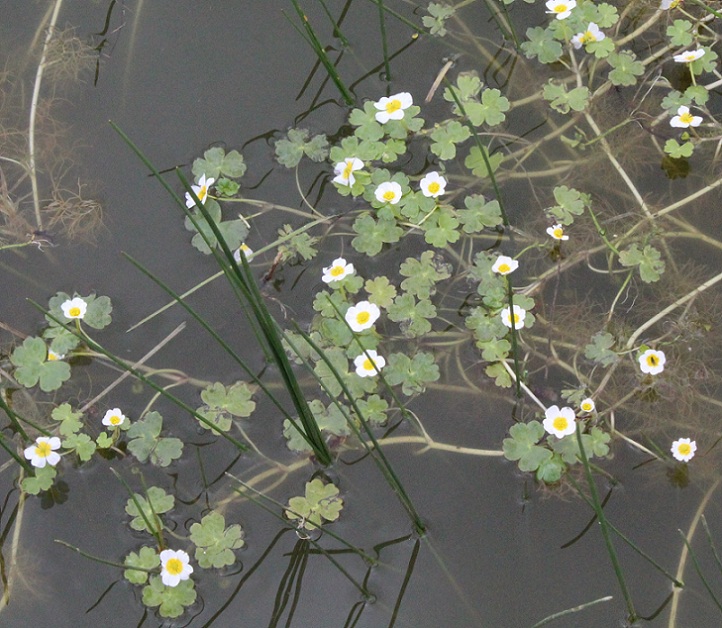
<point x="52" y="356"/>
<point x="560" y="423"/>
<point x="174" y="566"/>
<point x="504" y="268"/>
<point x="336" y="271"/>
<point x="515" y="317"/>
<point x="674" y="4"/>
<point x="393" y="105"/>
<point x="560" y="8"/>
<point x="348" y="170"/>
<point x="74" y="311"/>
<point x="202" y="193"/>
<point x="652" y="360"/>
<point x="368" y="365"/>
<point x="389" y="195"/>
<point x="558" y="233"/>
<point x="687" y="118"/>
<point x="362" y="318"/>
<point x="115" y="420"/>
<point x="245" y="248"/>
<point x="43" y="450"/>
<point x="434" y="187"/>
<point x="684" y="449"/>
<point x="587" y="407"/>
<point x="588" y="37"/>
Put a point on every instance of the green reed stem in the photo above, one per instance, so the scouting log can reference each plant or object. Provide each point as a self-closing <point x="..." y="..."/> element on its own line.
<point x="399" y="17"/>
<point x="155" y="527"/>
<point x="711" y="542"/>
<point x="601" y="517"/>
<point x="336" y="28"/>
<point x="15" y="419"/>
<point x="310" y="36"/>
<point x="628" y="541"/>
<point x="707" y="8"/>
<point x="256" y="380"/>
<point x="103" y="561"/>
<point x="384" y="41"/>
<point x="514" y="338"/>
<point x="242" y="277"/>
<point x="378" y="455"/>
<point x="698" y="569"/>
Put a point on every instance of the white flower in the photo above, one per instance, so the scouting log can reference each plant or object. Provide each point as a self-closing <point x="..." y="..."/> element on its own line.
<point x="245" y="249"/>
<point x="42" y="452"/>
<point x="392" y="108"/>
<point x="369" y="363"/>
<point x="74" y="308"/>
<point x="362" y="315"/>
<point x="557" y="232"/>
<point x="174" y="567"/>
<point x="587" y="405"/>
<point x="683" y="449"/>
<point x="652" y="361"/>
<point x="589" y="36"/>
<point x="519" y="316"/>
<point x="337" y="271"/>
<point x="344" y="171"/>
<point x="201" y="191"/>
<point x="689" y="55"/>
<point x="685" y="119"/>
<point x="114" y="418"/>
<point x="504" y="265"/>
<point x="433" y="185"/>
<point x="668" y="4"/>
<point x="561" y="8"/>
<point x="52" y="356"/>
<point x="560" y="422"/>
<point x="388" y="192"/>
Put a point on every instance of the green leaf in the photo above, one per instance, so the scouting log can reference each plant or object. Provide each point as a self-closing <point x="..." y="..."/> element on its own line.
<point x="299" y="245"/>
<point x="571" y="203"/>
<point x="475" y="161"/>
<point x="680" y="33"/>
<point x="648" y="260"/>
<point x="626" y="68"/>
<point x="541" y="44"/>
<point x="41" y="481"/>
<point x="373" y="409"/>
<point x="436" y="20"/>
<point x="563" y="101"/>
<point x="522" y="446"/>
<point x="678" y="151"/>
<point x="70" y="422"/>
<point x="468" y="86"/>
<point x="499" y="374"/>
<point x="479" y="213"/>
<point x="145" y="442"/>
<point x="381" y="291"/>
<point x="295" y="145"/>
<point x="171" y="600"/>
<point x="214" y="542"/>
<point x="600" y="350"/>
<point x="674" y="100"/>
<point x="601" y="49"/>
<point x="63" y="340"/>
<point x="707" y="63"/>
<point x="696" y="93"/>
<point x="595" y="444"/>
<point x="550" y="471"/>
<point x="441" y="228"/>
<point x="320" y="503"/>
<point x="97" y="315"/>
<point x="32" y="367"/>
<point x="372" y="234"/>
<point x="413" y="374"/>
<point x="491" y="109"/>
<point x="603" y="15"/>
<point x="423" y="274"/>
<point x="446" y="136"/>
<point x="104" y="440"/>
<point x="146" y="558"/>
<point x="226" y="188"/>
<point x="412" y="315"/>
<point x="83" y="445"/>
<point x="161" y="502"/>
<point x="215" y="162"/>
<point x="234" y="232"/>
<point x="222" y="403"/>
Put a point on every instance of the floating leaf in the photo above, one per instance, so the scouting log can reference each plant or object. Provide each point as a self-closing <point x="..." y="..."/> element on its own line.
<point x="522" y="446"/>
<point x="291" y="149"/>
<point x="320" y="503"/>
<point x="541" y="44"/>
<point x="215" y="162"/>
<point x="41" y="481"/>
<point x="161" y="502"/>
<point x="412" y="374"/>
<point x="648" y="260"/>
<point x="171" y="600"/>
<point x="423" y="274"/>
<point x="70" y="422"/>
<point x="33" y="367"/>
<point x="626" y="68"/>
<point x="477" y="164"/>
<point x="436" y="20"/>
<point x="146" y="558"/>
<point x="600" y="349"/>
<point x="381" y="291"/>
<point x="145" y="442"/>
<point x="214" y="542"/>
